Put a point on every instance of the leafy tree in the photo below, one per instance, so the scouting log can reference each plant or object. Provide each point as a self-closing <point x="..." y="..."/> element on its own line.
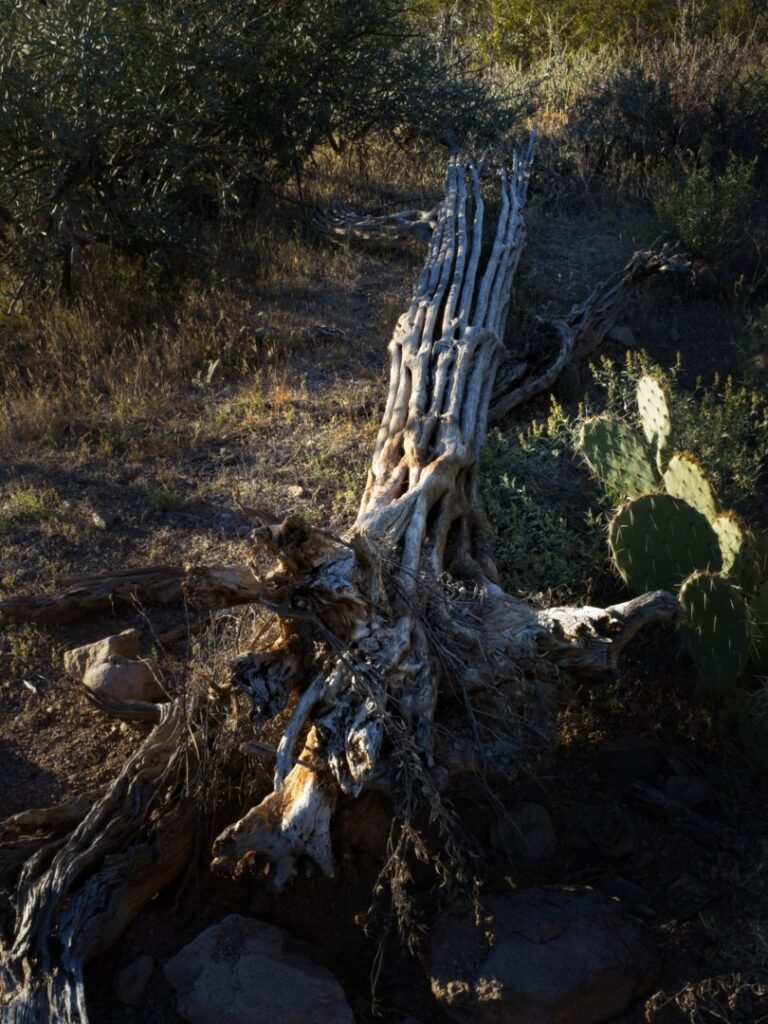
<point x="123" y="121"/>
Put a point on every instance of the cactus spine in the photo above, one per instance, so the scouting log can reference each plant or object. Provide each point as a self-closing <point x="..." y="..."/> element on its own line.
<point x="717" y="629"/>
<point x="654" y="414"/>
<point x="658" y="540"/>
<point x="618" y="457"/>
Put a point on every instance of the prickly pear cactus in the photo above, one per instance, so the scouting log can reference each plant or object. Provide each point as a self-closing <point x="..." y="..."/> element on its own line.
<point x="657" y="541"/>
<point x="718" y="633"/>
<point x="758" y="613"/>
<point x="618" y="457"/>
<point x="654" y="413"/>
<point x="684" y="478"/>
<point x="736" y="549"/>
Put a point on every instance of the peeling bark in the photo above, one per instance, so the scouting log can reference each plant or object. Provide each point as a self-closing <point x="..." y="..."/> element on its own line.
<point x="217" y="586"/>
<point x="343" y="223"/>
<point x="403" y="663"/>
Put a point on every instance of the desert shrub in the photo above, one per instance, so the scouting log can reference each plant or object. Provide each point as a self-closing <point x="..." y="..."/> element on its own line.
<point x="626" y="114"/>
<point x="616" y="114"/>
<point x="725" y="425"/>
<point x="547" y="522"/>
<point x="712" y="216"/>
<point x="527" y="29"/>
<point x="128" y="122"/>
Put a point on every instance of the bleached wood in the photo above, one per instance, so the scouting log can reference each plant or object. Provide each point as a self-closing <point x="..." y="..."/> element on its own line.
<point x="376" y="625"/>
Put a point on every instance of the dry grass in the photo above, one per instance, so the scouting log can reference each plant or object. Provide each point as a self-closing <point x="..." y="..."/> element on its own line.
<point x="238" y="313"/>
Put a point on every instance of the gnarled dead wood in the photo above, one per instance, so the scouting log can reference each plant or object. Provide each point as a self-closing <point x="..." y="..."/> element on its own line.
<point x="580" y="332"/>
<point x="76" y="895"/>
<point x="403" y="662"/>
<point x="342" y="223"/>
<point x="218" y="586"/>
<point x="395" y="635"/>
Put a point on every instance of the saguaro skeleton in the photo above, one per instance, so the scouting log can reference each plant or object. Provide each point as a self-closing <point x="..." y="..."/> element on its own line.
<point x="402" y="661"/>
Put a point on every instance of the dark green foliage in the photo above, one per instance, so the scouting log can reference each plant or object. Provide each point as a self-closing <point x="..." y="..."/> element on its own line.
<point x="758" y="609"/>
<point x="717" y="628"/>
<point x="548" y="525"/>
<point x="657" y="541"/>
<point x="752" y="717"/>
<point x="717" y="216"/>
<point x="126" y="122"/>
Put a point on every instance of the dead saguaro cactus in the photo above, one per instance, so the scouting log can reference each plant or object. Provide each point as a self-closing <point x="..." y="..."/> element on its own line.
<point x="402" y="664"/>
<point x="408" y="604"/>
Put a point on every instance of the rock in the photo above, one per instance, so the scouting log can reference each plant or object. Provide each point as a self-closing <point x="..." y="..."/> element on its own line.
<point x="611" y="829"/>
<point x="622" y="336"/>
<point x="125" y="679"/>
<point x="690" y="790"/>
<point x="129" y="984"/>
<point x="527" y="831"/>
<point x="542" y="956"/>
<point x="634" y="897"/>
<point x="80" y="659"/>
<point x="632" y="757"/>
<point x="112" y="667"/>
<point x="242" y="971"/>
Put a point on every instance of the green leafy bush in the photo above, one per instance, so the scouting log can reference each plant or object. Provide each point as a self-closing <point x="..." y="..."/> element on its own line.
<point x="712" y="216"/>
<point x="548" y="527"/>
<point x="126" y="122"/>
<point x="725" y="424"/>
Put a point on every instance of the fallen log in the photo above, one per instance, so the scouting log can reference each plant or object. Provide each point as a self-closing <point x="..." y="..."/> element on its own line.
<point x="403" y="663"/>
<point x="342" y="223"/>
<point x="200" y="587"/>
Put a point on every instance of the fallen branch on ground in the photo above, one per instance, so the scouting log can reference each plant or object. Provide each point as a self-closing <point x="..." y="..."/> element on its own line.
<point x="402" y="662"/>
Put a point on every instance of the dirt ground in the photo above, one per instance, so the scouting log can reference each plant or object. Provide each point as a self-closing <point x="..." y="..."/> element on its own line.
<point x="649" y="798"/>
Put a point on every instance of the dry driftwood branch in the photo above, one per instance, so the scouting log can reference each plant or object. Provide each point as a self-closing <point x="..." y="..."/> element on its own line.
<point x="217" y="586"/>
<point x="377" y="597"/>
<point x="342" y="223"/>
<point x="580" y="332"/>
<point x="405" y="664"/>
<point x="75" y="896"/>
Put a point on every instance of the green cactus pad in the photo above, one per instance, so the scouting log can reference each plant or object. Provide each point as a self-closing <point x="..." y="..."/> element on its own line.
<point x="760" y="548"/>
<point x="654" y="412"/>
<point x="618" y="457"/>
<point x="758" y="613"/>
<point x="736" y="549"/>
<point x="686" y="479"/>
<point x="657" y="541"/>
<point x="718" y="633"/>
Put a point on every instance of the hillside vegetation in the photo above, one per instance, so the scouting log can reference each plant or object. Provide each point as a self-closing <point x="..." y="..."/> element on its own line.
<point x="179" y="344"/>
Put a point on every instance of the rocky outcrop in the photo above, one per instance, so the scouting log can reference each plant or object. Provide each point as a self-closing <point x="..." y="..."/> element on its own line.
<point x="540" y="956"/>
<point x="242" y="971"/>
<point x="112" y="668"/>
